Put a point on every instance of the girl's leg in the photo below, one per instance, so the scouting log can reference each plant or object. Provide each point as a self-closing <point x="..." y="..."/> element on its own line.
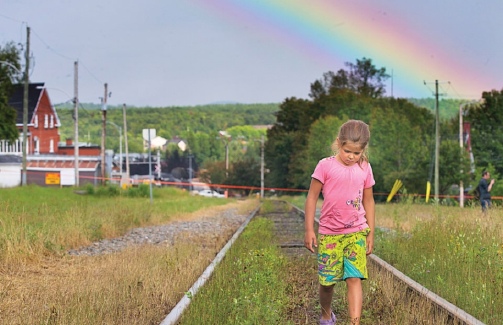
<point x="326" y="293"/>
<point x="355" y="299"/>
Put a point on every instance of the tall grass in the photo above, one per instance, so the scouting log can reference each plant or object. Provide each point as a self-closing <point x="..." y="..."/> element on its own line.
<point x="37" y="222"/>
<point x="456" y="253"/>
<point x="135" y="286"/>
<point x="43" y="285"/>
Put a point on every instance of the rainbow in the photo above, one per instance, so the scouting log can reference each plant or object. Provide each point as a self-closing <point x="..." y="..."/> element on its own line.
<point x="332" y="32"/>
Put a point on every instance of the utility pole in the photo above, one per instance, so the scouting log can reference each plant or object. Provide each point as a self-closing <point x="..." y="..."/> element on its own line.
<point x="227" y="159"/>
<point x="120" y="150"/>
<point x="103" y="133"/>
<point x="25" y="106"/>
<point x="190" y="171"/>
<point x="150" y="163"/>
<point x="262" y="167"/>
<point x="437" y="142"/>
<point x="119" y="129"/>
<point x="76" y="115"/>
<point x="461" y="187"/>
<point x="158" y="167"/>
<point x="126" y="179"/>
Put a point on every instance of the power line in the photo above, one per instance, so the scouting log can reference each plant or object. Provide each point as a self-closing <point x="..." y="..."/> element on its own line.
<point x="10" y="18"/>
<point x="48" y="47"/>
<point x="51" y="49"/>
<point x="92" y="75"/>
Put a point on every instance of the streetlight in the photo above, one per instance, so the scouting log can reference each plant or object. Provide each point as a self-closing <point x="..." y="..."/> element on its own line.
<point x="226" y="138"/>
<point x="183" y="146"/>
<point x="11" y="66"/>
<point x="262" y="170"/>
<point x="190" y="170"/>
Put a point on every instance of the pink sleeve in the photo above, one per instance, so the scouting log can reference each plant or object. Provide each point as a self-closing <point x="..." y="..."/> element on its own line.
<point x="369" y="181"/>
<point x="319" y="172"/>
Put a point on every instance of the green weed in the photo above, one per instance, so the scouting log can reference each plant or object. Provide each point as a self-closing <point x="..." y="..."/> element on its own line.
<point x="247" y="287"/>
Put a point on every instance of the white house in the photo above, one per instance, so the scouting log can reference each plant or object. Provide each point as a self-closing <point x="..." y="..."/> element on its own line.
<point x="10" y="170"/>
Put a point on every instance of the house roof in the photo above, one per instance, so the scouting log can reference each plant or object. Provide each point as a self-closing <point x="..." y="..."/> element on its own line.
<point x="62" y="164"/>
<point x="10" y="159"/>
<point x="16" y="100"/>
<point x="57" y="162"/>
<point x="158" y="142"/>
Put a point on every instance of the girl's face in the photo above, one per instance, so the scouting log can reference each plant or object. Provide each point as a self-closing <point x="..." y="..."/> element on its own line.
<point x="350" y="153"/>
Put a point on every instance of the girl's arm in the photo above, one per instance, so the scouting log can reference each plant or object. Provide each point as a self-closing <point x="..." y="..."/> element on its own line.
<point x="369" y="206"/>
<point x="309" y="213"/>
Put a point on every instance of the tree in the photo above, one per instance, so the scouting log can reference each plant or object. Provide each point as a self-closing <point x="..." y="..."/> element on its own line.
<point x="9" y="75"/>
<point x="245" y="172"/>
<point x="319" y="145"/>
<point x="486" y="123"/>
<point x="362" y="78"/>
<point x="278" y="149"/>
<point x="213" y="173"/>
<point x="366" y="79"/>
<point x="286" y="138"/>
<point x="451" y="165"/>
<point x="401" y="144"/>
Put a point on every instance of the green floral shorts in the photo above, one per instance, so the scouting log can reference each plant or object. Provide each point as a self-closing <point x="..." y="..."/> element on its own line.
<point x="342" y="256"/>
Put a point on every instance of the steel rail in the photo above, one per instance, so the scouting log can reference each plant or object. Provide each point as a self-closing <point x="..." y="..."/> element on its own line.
<point x="173" y="317"/>
<point x="453" y="310"/>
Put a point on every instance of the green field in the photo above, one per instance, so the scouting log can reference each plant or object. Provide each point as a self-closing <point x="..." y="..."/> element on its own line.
<point x="457" y="253"/>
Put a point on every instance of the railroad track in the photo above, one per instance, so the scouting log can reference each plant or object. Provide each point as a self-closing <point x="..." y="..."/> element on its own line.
<point x="391" y="298"/>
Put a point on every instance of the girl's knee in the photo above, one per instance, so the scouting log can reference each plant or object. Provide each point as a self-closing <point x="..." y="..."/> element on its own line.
<point x="327" y="289"/>
<point x="353" y="281"/>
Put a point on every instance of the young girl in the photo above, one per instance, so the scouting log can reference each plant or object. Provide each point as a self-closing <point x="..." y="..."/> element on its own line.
<point x="346" y="227"/>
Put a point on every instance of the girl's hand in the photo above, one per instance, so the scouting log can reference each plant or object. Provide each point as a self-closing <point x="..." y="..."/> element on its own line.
<point x="370" y="243"/>
<point x="310" y="240"/>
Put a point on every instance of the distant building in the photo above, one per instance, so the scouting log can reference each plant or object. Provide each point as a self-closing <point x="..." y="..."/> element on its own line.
<point x="43" y="122"/>
<point x="10" y="170"/>
<point x="157" y="143"/>
<point x="49" y="162"/>
<point x="60" y="170"/>
<point x="67" y="148"/>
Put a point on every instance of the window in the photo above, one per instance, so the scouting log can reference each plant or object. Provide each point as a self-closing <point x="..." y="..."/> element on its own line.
<point x="51" y="146"/>
<point x="37" y="145"/>
<point x="36" y="121"/>
<point x="46" y="121"/>
<point x="52" y="122"/>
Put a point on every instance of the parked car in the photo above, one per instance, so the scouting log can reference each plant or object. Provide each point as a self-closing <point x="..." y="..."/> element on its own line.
<point x="210" y="193"/>
<point x="168" y="180"/>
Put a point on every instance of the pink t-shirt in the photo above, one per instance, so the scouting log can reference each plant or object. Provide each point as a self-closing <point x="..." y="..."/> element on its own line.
<point x="342" y="211"/>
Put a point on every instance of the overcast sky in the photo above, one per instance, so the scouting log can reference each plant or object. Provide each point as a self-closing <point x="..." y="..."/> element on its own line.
<point x="196" y="52"/>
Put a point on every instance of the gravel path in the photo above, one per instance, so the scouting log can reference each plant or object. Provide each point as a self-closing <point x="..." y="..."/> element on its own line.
<point x="227" y="221"/>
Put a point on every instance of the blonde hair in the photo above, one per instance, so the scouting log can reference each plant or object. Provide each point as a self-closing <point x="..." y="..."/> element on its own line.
<point x="355" y="131"/>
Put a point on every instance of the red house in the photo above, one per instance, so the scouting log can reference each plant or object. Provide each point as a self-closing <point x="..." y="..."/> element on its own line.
<point x="43" y="122"/>
<point x="49" y="163"/>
